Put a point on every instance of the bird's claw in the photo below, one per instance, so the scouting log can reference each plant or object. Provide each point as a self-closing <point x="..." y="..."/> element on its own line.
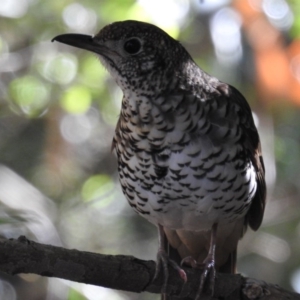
<point x="162" y="262"/>
<point x="208" y="273"/>
<point x="191" y="262"/>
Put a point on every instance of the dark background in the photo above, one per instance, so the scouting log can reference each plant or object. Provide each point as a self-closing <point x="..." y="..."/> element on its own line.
<point x="59" y="107"/>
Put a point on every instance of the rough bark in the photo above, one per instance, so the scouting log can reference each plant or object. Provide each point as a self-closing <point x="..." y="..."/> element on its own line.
<point x="124" y="272"/>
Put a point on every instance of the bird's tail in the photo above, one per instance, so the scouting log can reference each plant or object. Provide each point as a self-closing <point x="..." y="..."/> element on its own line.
<point x="229" y="266"/>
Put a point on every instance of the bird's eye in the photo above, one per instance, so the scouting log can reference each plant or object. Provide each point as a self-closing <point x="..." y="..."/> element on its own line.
<point x="132" y="46"/>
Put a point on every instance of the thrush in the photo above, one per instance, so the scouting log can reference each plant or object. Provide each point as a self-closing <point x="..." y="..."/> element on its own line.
<point x="189" y="154"/>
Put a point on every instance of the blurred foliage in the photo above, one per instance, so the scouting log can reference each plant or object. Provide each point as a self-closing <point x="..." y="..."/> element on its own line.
<point x="295" y="29"/>
<point x="59" y="107"/>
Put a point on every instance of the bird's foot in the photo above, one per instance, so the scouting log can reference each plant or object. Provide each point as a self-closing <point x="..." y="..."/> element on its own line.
<point x="207" y="281"/>
<point x="207" y="277"/>
<point x="162" y="262"/>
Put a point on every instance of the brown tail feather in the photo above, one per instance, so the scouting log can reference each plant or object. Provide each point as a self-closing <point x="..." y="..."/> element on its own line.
<point x="230" y="265"/>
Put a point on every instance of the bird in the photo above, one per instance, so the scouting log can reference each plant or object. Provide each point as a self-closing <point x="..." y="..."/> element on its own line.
<point x="188" y="151"/>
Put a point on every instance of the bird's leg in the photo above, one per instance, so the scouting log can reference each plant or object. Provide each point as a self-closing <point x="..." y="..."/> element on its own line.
<point x="207" y="266"/>
<point x="163" y="260"/>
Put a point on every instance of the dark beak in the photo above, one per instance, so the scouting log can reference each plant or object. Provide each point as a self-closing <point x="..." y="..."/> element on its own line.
<point x="82" y="41"/>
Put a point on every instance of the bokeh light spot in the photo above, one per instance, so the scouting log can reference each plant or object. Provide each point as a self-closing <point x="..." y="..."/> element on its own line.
<point x="13" y="8"/>
<point x="279" y="13"/>
<point x="295" y="281"/>
<point x="226" y="35"/>
<point x="29" y="94"/>
<point x="209" y="6"/>
<point x="76" y="129"/>
<point x="271" y="247"/>
<point x="60" y="69"/>
<point x="79" y="18"/>
<point x="76" y="100"/>
<point x="98" y="187"/>
<point x="170" y="22"/>
<point x="7" y="291"/>
<point x="93" y="73"/>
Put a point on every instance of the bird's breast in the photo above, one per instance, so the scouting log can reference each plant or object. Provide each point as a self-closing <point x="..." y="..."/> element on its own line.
<point x="175" y="167"/>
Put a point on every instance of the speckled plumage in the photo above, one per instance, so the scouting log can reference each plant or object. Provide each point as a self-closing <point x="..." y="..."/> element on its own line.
<point x="188" y="151"/>
<point x="186" y="171"/>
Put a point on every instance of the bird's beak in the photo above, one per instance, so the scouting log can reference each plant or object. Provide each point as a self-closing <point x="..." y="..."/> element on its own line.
<point x="82" y="41"/>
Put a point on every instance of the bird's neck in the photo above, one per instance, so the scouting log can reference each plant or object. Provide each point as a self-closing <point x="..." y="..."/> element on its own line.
<point x="195" y="80"/>
<point x="187" y="77"/>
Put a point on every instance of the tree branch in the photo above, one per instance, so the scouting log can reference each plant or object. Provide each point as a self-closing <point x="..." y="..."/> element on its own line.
<point x="124" y="272"/>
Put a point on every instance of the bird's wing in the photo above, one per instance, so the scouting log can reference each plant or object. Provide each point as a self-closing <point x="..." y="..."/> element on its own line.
<point x="252" y="145"/>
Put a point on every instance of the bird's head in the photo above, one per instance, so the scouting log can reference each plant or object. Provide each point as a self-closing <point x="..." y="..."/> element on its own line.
<point x="133" y="52"/>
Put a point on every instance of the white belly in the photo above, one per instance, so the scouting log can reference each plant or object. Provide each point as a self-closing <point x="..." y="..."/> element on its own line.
<point x="194" y="193"/>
